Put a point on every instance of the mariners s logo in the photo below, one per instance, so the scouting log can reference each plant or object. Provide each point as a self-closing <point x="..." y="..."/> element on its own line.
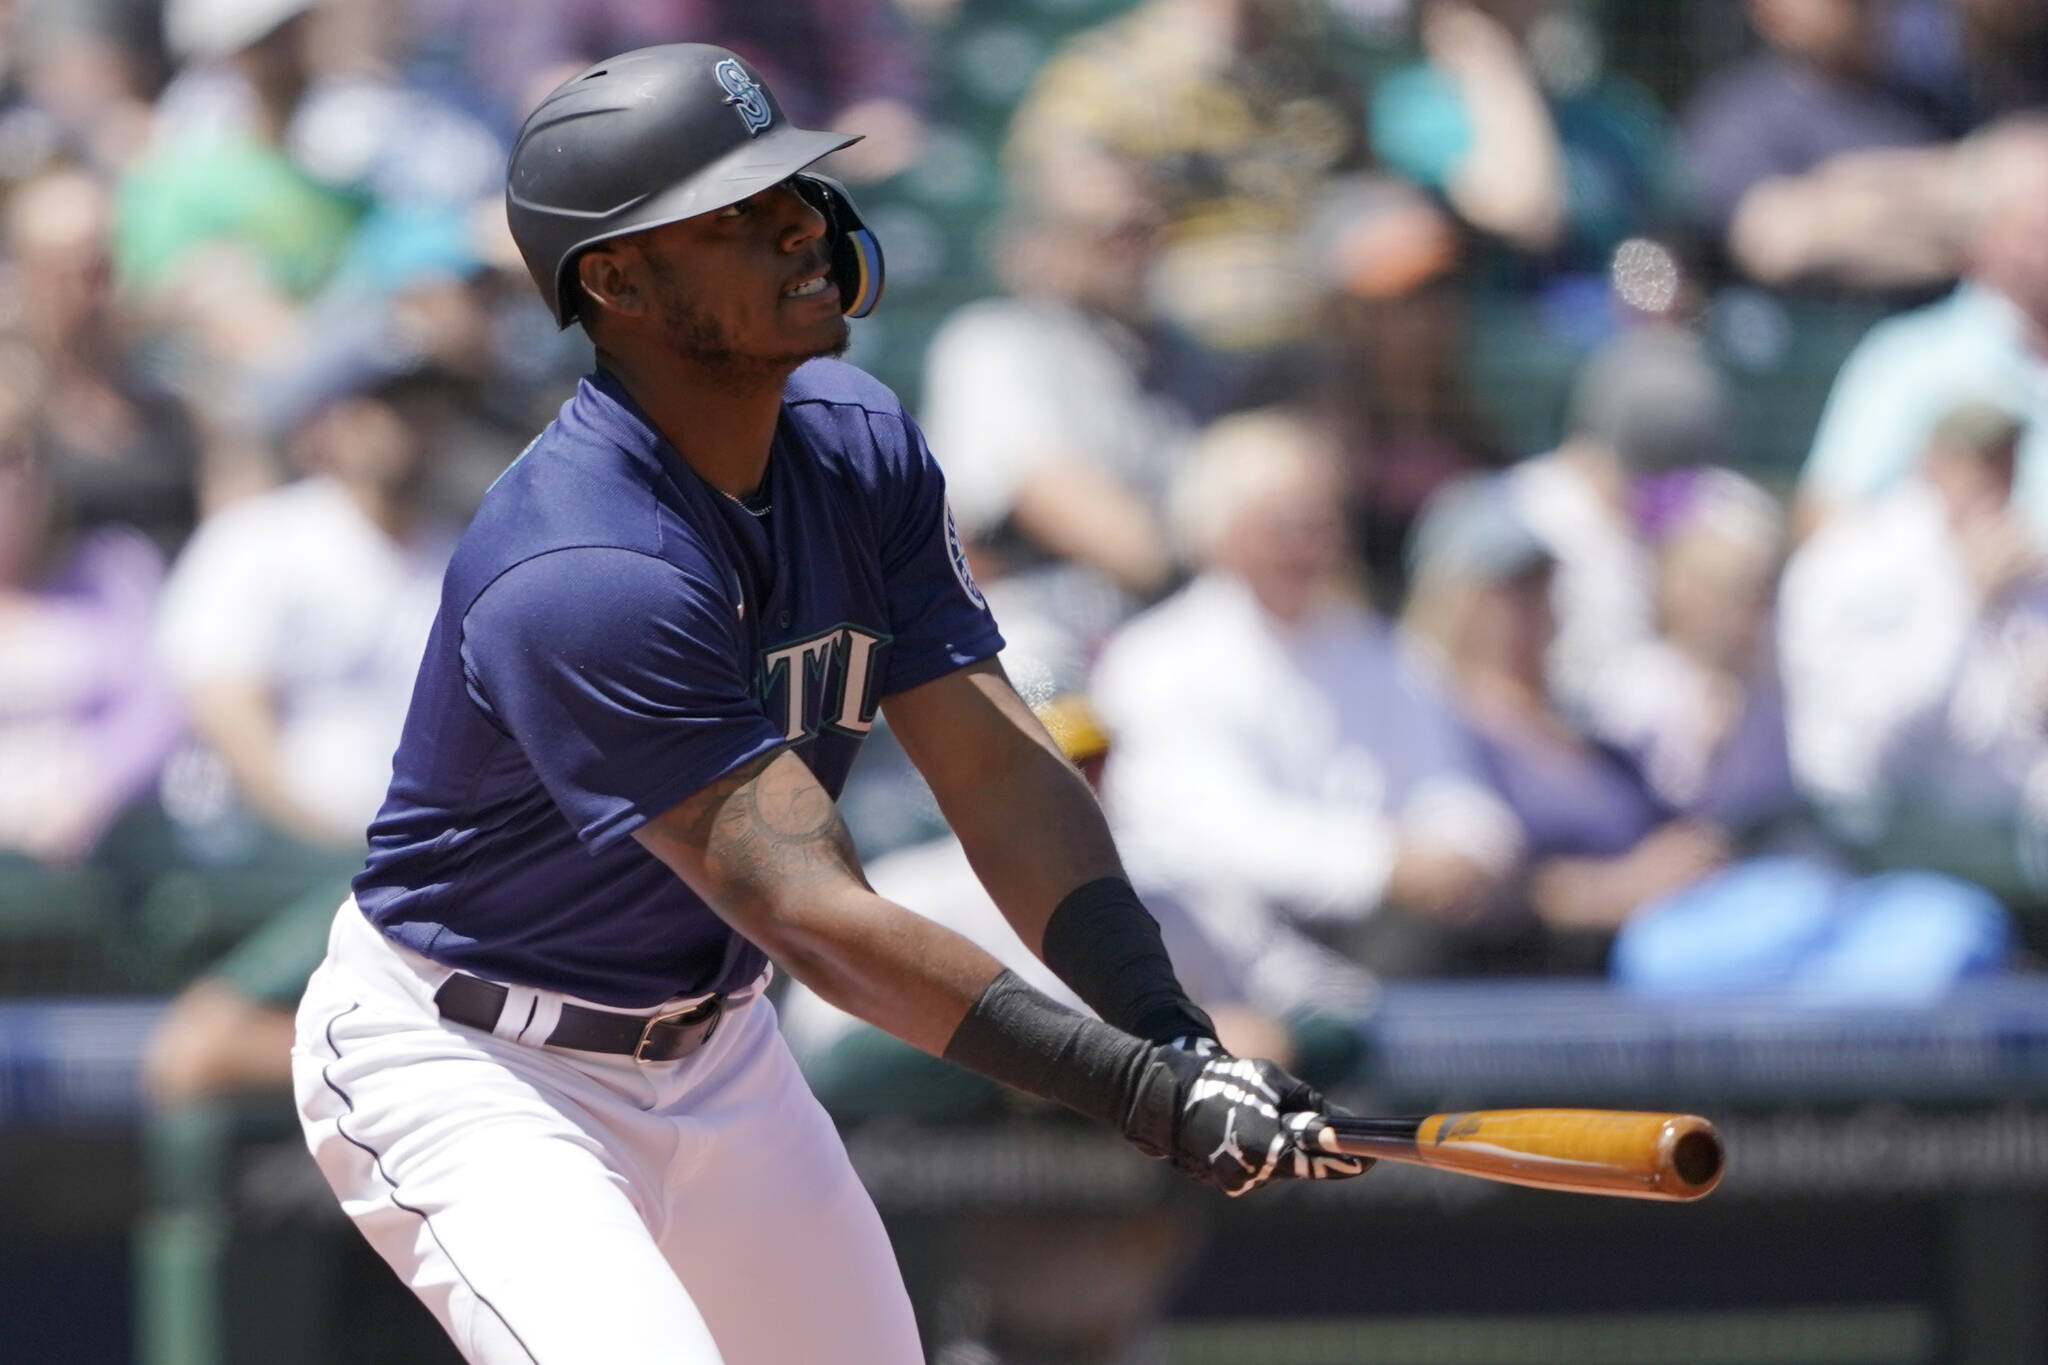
<point x="745" y="95"/>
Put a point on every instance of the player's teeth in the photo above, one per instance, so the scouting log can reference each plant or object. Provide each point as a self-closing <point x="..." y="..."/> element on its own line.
<point x="807" y="287"/>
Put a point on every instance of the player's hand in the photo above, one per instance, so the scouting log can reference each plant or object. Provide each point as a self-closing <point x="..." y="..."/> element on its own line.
<point x="1235" y="1123"/>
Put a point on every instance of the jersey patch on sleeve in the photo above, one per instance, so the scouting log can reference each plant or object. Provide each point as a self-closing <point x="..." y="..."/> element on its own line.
<point x="958" y="556"/>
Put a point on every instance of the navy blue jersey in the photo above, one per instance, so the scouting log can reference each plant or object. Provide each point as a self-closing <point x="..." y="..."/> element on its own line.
<point x="615" y="634"/>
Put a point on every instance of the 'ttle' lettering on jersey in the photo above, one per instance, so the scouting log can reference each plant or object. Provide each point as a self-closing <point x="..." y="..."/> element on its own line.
<point x="806" y="683"/>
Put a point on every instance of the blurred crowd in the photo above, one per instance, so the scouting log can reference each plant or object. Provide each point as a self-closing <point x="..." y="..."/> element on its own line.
<point x="1223" y="318"/>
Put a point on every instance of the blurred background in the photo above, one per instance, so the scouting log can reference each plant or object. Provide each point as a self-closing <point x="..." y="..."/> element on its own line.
<point x="1533" y="512"/>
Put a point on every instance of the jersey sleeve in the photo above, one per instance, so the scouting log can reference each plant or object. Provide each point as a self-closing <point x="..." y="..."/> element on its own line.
<point x="937" y="616"/>
<point x="621" y="677"/>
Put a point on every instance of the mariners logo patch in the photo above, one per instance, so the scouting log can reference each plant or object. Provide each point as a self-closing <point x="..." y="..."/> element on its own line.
<point x="745" y="95"/>
<point x="959" y="558"/>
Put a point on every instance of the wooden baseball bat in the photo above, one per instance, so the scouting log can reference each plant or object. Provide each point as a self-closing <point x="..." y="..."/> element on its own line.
<point x="1583" y="1151"/>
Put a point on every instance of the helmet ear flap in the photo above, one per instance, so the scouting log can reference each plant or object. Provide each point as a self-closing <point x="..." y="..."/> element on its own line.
<point x="856" y="255"/>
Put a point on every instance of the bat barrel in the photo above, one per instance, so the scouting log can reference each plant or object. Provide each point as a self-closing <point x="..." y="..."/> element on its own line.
<point x="1586" y="1151"/>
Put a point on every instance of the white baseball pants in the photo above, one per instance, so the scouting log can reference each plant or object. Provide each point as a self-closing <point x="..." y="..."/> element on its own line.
<point x="572" y="1208"/>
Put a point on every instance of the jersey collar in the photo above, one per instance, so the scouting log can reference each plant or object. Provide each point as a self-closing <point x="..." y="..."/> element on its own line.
<point x="611" y="409"/>
<point x="607" y="406"/>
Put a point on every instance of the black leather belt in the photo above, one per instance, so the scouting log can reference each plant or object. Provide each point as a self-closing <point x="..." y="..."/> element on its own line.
<point x="477" y="1003"/>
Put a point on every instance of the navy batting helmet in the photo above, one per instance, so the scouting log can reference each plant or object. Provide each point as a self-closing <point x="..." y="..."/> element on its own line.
<point x="660" y="134"/>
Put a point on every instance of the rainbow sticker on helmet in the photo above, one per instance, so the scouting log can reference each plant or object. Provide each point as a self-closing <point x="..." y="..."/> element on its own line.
<point x="745" y="95"/>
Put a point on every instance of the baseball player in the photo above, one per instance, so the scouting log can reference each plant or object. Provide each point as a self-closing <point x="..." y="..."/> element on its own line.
<point x="536" y="1064"/>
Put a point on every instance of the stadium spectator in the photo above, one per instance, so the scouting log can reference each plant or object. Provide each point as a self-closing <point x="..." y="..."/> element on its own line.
<point x="220" y="176"/>
<point x="1510" y="115"/>
<point x="294" y="620"/>
<point x="500" y="339"/>
<point x="86" y="718"/>
<point x="1986" y="341"/>
<point x="1701" y="712"/>
<point x="1646" y="403"/>
<point x="293" y="624"/>
<point x="1230" y="110"/>
<point x="230" y="1030"/>
<point x="1469" y="121"/>
<point x="1047" y="409"/>
<point x="841" y="64"/>
<point x="1966" y="62"/>
<point x="74" y="86"/>
<point x="279" y="167"/>
<point x="1914" y="636"/>
<point x="1698" y="706"/>
<point x="1806" y="169"/>
<point x="122" y="445"/>
<point x="289" y="75"/>
<point x="1391" y="352"/>
<point x="463" y="310"/>
<point x="1599" y="843"/>
<point x="1283" y="770"/>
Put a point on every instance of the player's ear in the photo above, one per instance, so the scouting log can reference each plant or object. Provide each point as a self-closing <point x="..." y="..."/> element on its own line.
<point x="607" y="280"/>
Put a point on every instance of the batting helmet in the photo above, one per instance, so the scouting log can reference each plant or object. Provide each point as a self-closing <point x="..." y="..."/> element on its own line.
<point x="660" y="134"/>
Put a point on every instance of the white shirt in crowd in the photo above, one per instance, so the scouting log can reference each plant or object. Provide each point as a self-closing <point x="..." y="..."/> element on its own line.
<point x="1896" y="680"/>
<point x="1012" y="384"/>
<point x="298" y="590"/>
<point x="1602" y="590"/>
<point x="1911" y="370"/>
<point x="1264" y="775"/>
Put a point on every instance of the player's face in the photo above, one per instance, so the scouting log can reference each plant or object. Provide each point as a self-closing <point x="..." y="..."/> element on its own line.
<point x="746" y="286"/>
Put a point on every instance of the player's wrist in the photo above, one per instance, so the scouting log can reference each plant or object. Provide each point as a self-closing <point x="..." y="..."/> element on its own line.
<point x="1029" y="1042"/>
<point x="1106" y="946"/>
<point x="1024" y="1039"/>
<point x="1226" y="1122"/>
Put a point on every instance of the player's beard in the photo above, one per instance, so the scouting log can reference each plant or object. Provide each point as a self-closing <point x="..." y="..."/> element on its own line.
<point x="700" y="338"/>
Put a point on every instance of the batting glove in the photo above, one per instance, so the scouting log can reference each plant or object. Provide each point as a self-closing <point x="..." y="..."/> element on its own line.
<point x="1232" y="1122"/>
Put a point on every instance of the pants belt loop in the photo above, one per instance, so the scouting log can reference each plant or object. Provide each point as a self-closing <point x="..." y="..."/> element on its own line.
<point x="521" y="1004"/>
<point x="547" y="1013"/>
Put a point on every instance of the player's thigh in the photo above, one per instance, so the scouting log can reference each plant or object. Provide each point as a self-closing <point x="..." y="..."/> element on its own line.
<point x="516" y="1223"/>
<point x="770" y="1229"/>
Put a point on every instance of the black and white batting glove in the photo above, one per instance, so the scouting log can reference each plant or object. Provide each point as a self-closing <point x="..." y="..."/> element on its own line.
<point x="1232" y="1122"/>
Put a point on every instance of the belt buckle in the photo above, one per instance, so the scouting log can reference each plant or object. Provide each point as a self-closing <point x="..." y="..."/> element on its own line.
<point x="713" y="1014"/>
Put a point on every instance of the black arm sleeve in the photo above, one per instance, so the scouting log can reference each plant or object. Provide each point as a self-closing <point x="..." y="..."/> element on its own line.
<point x="1023" y="1039"/>
<point x="1105" y="944"/>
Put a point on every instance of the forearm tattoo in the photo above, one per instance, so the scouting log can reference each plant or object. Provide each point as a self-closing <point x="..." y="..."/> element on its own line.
<point x="765" y="826"/>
